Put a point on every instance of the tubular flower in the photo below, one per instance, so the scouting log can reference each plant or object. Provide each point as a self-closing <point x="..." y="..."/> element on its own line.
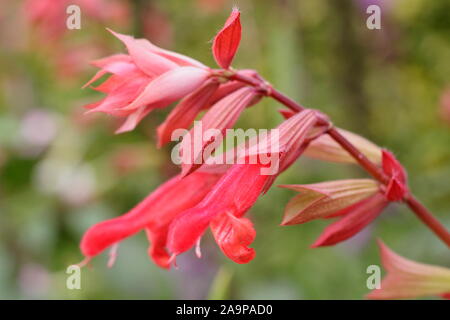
<point x="355" y="202"/>
<point x="154" y="215"/>
<point x="147" y="78"/>
<point x="236" y="192"/>
<point x="408" y="279"/>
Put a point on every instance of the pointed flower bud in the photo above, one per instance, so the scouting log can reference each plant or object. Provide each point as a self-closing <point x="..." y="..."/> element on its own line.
<point x="408" y="279"/>
<point x="146" y="79"/>
<point x="154" y="213"/>
<point x="227" y="40"/>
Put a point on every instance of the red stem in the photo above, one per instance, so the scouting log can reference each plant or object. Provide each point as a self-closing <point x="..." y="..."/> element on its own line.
<point x="374" y="170"/>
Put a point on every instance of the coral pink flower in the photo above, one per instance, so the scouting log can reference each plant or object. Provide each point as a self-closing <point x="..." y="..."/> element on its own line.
<point x="227" y="40"/>
<point x="182" y="116"/>
<point x="355" y="202"/>
<point x="326" y="149"/>
<point x="235" y="193"/>
<point x="154" y="214"/>
<point x="146" y="79"/>
<point x="408" y="279"/>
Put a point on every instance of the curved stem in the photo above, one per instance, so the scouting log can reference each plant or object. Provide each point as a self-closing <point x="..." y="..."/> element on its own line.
<point x="374" y="170"/>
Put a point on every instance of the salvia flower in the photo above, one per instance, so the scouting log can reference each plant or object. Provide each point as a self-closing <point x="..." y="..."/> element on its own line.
<point x="355" y="202"/>
<point x="408" y="279"/>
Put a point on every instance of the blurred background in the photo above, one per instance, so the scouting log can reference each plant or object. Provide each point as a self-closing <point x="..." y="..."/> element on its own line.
<point x="62" y="171"/>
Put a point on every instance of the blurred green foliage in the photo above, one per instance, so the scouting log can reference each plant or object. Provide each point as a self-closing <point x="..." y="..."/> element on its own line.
<point x="385" y="84"/>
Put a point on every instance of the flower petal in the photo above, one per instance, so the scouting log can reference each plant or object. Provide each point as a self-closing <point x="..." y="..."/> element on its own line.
<point x="396" y="188"/>
<point x="392" y="167"/>
<point x="121" y="96"/>
<point x="235" y="193"/>
<point x="133" y="119"/>
<point x="227" y="41"/>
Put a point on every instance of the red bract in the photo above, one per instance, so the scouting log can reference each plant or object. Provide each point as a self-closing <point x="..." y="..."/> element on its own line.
<point x="233" y="195"/>
<point x="154" y="214"/>
<point x="227" y="41"/>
